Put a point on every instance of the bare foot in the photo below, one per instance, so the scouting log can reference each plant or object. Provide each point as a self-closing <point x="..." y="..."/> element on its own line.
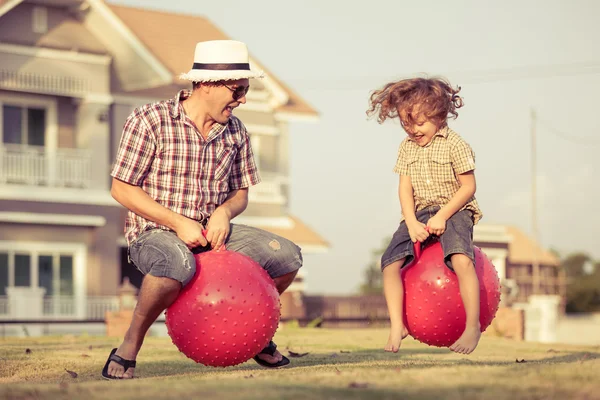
<point x="467" y="342"/>
<point x="395" y="338"/>
<point x="128" y="351"/>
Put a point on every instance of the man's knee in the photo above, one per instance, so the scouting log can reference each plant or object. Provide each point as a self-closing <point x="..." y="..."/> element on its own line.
<point x="164" y="255"/>
<point x="285" y="252"/>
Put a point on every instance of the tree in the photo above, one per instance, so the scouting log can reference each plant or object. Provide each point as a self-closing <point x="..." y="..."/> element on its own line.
<point x="574" y="265"/>
<point x="373" y="283"/>
<point x="583" y="283"/>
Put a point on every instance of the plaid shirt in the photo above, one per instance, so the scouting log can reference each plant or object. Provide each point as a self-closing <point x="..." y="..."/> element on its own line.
<point x="433" y="169"/>
<point x="162" y="152"/>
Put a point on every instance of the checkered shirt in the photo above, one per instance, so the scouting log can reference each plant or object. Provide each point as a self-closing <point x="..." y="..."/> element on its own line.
<point x="162" y="152"/>
<point x="433" y="169"/>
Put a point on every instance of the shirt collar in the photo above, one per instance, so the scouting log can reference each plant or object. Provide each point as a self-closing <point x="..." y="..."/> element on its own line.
<point x="176" y="104"/>
<point x="177" y="109"/>
<point x="443" y="132"/>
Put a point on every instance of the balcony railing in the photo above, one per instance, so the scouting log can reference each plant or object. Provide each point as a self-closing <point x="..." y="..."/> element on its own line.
<point x="270" y="189"/>
<point x="42" y="166"/>
<point x="57" y="308"/>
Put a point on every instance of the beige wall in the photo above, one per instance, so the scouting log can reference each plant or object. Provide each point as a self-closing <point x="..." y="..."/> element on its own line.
<point x="103" y="262"/>
<point x="64" y="31"/>
<point x="255" y="117"/>
<point x="264" y="210"/>
<point x="66" y="122"/>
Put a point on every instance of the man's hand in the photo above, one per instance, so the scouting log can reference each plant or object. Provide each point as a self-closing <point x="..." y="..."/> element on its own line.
<point x="417" y="231"/>
<point x="436" y="225"/>
<point x="218" y="228"/>
<point x="190" y="232"/>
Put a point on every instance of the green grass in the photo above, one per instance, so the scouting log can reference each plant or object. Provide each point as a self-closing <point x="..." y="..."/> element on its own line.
<point x="341" y="364"/>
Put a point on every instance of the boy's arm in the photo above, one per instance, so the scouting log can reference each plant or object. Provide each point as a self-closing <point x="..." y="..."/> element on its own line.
<point x="466" y="192"/>
<point x="416" y="229"/>
<point x="463" y="164"/>
<point x="407" y="200"/>
<point x="468" y="186"/>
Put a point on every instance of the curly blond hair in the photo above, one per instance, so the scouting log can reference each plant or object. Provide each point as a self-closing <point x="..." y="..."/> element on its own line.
<point x="433" y="98"/>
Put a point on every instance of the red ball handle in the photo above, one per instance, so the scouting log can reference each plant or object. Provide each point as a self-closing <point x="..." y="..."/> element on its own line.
<point x="417" y="248"/>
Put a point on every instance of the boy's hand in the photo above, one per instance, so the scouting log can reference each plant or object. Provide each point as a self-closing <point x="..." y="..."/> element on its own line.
<point x="417" y="231"/>
<point x="436" y="225"/>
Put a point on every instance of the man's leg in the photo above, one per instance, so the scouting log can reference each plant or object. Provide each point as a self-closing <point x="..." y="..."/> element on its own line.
<point x="278" y="256"/>
<point x="284" y="281"/>
<point x="156" y="294"/>
<point x="168" y="265"/>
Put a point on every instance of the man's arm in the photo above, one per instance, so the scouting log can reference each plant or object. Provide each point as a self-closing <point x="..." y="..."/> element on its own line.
<point x="218" y="225"/>
<point x="135" y="199"/>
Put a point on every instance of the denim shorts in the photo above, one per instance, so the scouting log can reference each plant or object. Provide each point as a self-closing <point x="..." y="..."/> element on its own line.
<point x="161" y="253"/>
<point x="456" y="239"/>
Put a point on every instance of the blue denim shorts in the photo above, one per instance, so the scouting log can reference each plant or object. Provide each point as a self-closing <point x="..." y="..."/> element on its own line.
<point x="161" y="253"/>
<point x="456" y="239"/>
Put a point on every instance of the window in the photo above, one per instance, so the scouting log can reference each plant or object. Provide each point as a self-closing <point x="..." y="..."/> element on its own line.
<point x="39" y="20"/>
<point x="3" y="273"/>
<point x="23" y="125"/>
<point x="50" y="270"/>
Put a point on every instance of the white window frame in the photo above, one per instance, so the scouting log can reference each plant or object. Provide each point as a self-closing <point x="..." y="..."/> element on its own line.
<point x="39" y="19"/>
<point x="34" y="249"/>
<point x="255" y="143"/>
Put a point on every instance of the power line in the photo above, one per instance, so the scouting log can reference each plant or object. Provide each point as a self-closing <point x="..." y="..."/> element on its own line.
<point x="570" y="138"/>
<point x="359" y="82"/>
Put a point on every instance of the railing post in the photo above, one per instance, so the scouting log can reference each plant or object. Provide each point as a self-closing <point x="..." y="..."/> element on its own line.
<point x="51" y="161"/>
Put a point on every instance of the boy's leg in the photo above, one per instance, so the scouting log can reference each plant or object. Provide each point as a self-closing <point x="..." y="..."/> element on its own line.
<point x="469" y="292"/>
<point x="168" y="265"/>
<point x="394" y="296"/>
<point x="278" y="256"/>
<point x="457" y="242"/>
<point x="399" y="252"/>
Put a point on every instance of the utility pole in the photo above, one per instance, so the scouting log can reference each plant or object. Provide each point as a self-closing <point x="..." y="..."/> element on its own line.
<point x="534" y="220"/>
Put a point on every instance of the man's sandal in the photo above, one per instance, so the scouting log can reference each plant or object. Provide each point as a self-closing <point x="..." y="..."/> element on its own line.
<point x="119" y="360"/>
<point x="270" y="350"/>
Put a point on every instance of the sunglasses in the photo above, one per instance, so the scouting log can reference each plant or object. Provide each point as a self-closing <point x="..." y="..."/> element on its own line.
<point x="238" y="92"/>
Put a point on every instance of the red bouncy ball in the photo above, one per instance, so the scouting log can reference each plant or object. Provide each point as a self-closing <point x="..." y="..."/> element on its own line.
<point x="228" y="313"/>
<point x="433" y="309"/>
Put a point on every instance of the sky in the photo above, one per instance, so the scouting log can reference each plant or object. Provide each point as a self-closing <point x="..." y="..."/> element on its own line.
<point x="508" y="57"/>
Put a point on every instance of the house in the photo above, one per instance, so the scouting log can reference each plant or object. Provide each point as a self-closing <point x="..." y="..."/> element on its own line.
<point x="71" y="72"/>
<point x="524" y="269"/>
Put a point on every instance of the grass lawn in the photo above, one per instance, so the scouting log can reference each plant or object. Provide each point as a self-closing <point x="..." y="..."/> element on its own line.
<point x="340" y="364"/>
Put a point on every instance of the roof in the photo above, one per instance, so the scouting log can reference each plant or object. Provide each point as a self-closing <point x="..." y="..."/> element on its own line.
<point x="172" y="38"/>
<point x="521" y="249"/>
<point x="296" y="231"/>
<point x="299" y="233"/>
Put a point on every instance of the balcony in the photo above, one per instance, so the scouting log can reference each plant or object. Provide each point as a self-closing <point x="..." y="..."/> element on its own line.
<point x="270" y="190"/>
<point x="43" y="166"/>
<point x="61" y="308"/>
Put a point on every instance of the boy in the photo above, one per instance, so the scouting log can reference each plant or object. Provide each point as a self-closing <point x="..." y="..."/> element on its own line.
<point x="436" y="190"/>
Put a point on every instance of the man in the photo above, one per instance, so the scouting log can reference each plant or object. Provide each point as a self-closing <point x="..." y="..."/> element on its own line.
<point x="184" y="166"/>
